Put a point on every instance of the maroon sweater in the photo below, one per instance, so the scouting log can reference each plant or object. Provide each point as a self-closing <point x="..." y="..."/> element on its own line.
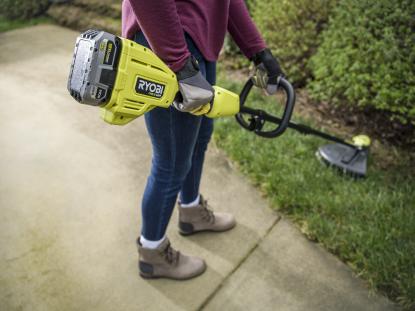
<point x="206" y="21"/>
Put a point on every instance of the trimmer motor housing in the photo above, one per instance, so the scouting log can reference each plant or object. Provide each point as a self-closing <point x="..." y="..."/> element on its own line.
<point x="94" y="67"/>
<point x="127" y="79"/>
<point x="122" y="77"/>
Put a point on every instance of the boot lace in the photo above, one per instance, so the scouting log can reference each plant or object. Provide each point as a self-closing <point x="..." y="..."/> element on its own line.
<point x="207" y="213"/>
<point x="171" y="255"/>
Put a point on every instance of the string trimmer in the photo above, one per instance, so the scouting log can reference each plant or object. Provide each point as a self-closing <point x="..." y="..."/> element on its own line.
<point x="127" y="80"/>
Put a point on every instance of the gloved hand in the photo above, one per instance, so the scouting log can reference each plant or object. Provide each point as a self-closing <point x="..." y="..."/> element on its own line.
<point x="195" y="91"/>
<point x="267" y="71"/>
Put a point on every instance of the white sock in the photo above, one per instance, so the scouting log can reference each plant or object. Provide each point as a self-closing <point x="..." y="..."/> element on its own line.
<point x="151" y="244"/>
<point x="192" y="204"/>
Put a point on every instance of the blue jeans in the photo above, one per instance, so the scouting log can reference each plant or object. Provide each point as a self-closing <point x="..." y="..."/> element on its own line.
<point x="179" y="142"/>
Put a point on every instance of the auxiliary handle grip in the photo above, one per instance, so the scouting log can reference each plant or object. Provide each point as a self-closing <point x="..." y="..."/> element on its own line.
<point x="259" y="117"/>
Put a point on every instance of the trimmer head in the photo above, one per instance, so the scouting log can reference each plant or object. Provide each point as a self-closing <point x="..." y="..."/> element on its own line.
<point x="349" y="160"/>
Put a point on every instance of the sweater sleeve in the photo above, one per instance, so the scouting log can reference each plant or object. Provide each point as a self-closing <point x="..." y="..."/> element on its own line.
<point x="243" y="30"/>
<point x="161" y="25"/>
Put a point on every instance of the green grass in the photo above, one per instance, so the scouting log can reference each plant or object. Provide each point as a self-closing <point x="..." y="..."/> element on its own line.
<point x="11" y="24"/>
<point x="368" y="223"/>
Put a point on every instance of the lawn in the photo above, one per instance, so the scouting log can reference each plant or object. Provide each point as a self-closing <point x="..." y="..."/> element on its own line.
<point x="368" y="223"/>
<point x="10" y="24"/>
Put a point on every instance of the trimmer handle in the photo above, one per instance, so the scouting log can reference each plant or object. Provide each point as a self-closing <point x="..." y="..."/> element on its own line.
<point x="259" y="117"/>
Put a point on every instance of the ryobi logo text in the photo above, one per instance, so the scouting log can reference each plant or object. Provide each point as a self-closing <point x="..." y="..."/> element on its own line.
<point x="149" y="88"/>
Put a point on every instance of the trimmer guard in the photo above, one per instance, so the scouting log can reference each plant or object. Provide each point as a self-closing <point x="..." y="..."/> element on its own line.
<point x="347" y="159"/>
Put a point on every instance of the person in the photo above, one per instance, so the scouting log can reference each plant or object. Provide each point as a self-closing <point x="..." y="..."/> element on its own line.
<point x="188" y="36"/>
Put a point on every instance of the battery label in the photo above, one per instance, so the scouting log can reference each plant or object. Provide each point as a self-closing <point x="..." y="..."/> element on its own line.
<point x="109" y="53"/>
<point x="98" y="92"/>
<point x="149" y="88"/>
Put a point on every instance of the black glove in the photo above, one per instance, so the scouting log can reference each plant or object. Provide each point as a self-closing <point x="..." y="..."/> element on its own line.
<point x="267" y="71"/>
<point x="195" y="91"/>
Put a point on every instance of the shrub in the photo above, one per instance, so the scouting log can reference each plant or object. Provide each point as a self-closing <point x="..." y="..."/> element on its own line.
<point x="22" y="9"/>
<point x="291" y="29"/>
<point x="367" y="57"/>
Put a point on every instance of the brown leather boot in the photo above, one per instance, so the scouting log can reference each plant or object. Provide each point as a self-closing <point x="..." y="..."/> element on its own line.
<point x="201" y="218"/>
<point x="165" y="262"/>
